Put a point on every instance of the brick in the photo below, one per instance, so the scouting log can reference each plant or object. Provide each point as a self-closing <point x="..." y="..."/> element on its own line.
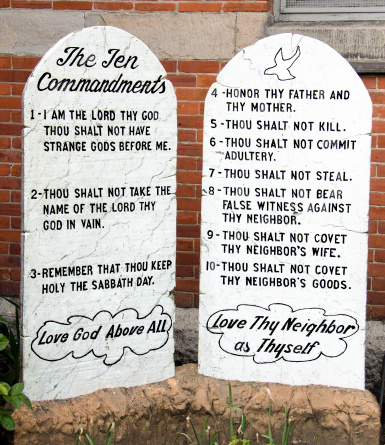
<point x="373" y="170"/>
<point x="10" y="103"/>
<point x="379" y="155"/>
<point x="16" y="170"/>
<point x="10" y="288"/>
<point x="5" y="222"/>
<point x="17" y="89"/>
<point x="10" y="260"/>
<point x="186" y="218"/>
<point x="185" y="271"/>
<point x="376" y="270"/>
<point x="77" y="5"/>
<point x="155" y="7"/>
<point x="169" y="65"/>
<point x="10" y="156"/>
<point x="9" y="235"/>
<point x="190" y="121"/>
<point x="191" y="177"/>
<point x="16" y="142"/>
<point x="4" y="195"/>
<point x="193" y="94"/>
<point x="206" y="80"/>
<point x="16" y="116"/>
<point x="187" y="258"/>
<point x="381" y="227"/>
<point x="377" y="184"/>
<point x="26" y="63"/>
<point x="370" y="82"/>
<point x="190" y="150"/>
<point x="188" y="108"/>
<point x="199" y="7"/>
<point x="377" y="241"/>
<point x="5" y="89"/>
<point x="378" y="312"/>
<point x="5" y="62"/>
<point x="247" y="7"/>
<point x="376" y="298"/>
<point x="186" y="163"/>
<point x="197" y="245"/>
<point x="16" y="223"/>
<point x="378" y="98"/>
<point x="182" y="80"/>
<point x="113" y="6"/>
<point x="4" y="169"/>
<point x="186" y="135"/>
<point x="377" y="199"/>
<point x="31" y="4"/>
<point x="373" y="226"/>
<point x="5" y="3"/>
<point x="14" y="249"/>
<point x="187" y="285"/>
<point x="381" y="83"/>
<point x="10" y="209"/>
<point x="183" y="299"/>
<point x="191" y="204"/>
<point x="379" y="256"/>
<point x="10" y="129"/>
<point x="198" y="66"/>
<point x="4" y="274"/>
<point x="4" y="248"/>
<point x="10" y="183"/>
<point x="183" y="245"/>
<point x="5" y="116"/>
<point x="378" y="126"/>
<point x="381" y="170"/>
<point x="14" y="76"/>
<point x="15" y="274"/>
<point x="188" y="231"/>
<point x="370" y="255"/>
<point x="374" y="141"/>
<point x="15" y="196"/>
<point x="379" y="112"/>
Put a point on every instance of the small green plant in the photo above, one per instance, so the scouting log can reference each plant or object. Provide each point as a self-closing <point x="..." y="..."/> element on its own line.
<point x="10" y="346"/>
<point x="237" y="441"/>
<point x="201" y="440"/>
<point x="242" y="428"/>
<point x="286" y="429"/>
<point x="11" y="392"/>
<point x="91" y="440"/>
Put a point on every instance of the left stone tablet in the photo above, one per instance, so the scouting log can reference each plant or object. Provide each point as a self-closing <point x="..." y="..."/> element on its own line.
<point x="99" y="215"/>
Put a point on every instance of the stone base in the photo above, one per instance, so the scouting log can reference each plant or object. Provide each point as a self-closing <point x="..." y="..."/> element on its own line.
<point x="154" y="414"/>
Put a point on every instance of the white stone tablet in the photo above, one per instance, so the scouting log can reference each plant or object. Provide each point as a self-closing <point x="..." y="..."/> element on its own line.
<point x="99" y="217"/>
<point x="285" y="217"/>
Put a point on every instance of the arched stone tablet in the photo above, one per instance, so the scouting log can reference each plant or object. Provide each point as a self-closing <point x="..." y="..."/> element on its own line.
<point x="285" y="217"/>
<point x="99" y="217"/>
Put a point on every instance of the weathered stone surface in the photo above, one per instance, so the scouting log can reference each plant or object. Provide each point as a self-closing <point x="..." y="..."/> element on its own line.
<point x="375" y="350"/>
<point x="186" y="336"/>
<point x="154" y="414"/>
<point x="250" y="28"/>
<point x="169" y="35"/>
<point x="33" y="32"/>
<point x="353" y="40"/>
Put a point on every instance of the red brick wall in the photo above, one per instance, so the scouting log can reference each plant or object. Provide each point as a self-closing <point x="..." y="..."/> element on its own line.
<point x="191" y="80"/>
<point x="144" y="5"/>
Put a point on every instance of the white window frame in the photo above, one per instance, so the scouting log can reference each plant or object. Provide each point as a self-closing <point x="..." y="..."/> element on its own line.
<point x="328" y="13"/>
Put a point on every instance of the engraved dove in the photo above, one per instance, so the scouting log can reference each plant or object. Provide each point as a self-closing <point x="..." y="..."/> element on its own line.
<point x="281" y="67"/>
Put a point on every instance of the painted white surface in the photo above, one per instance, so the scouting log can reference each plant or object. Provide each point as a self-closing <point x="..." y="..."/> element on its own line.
<point x="99" y="220"/>
<point x="284" y="217"/>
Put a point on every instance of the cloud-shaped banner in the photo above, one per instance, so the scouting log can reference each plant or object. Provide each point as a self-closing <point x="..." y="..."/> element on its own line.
<point x="105" y="335"/>
<point x="279" y="332"/>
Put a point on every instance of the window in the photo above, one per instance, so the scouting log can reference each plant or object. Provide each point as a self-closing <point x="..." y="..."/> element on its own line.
<point x="306" y="10"/>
